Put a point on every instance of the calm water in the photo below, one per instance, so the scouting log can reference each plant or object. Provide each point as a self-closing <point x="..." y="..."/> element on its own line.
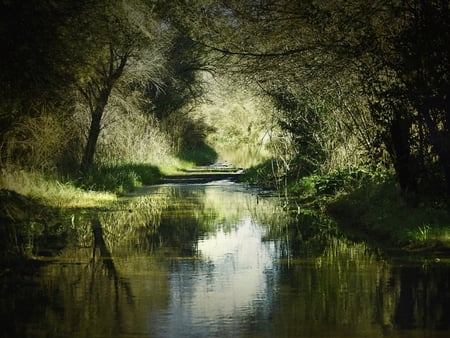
<point x="215" y="260"/>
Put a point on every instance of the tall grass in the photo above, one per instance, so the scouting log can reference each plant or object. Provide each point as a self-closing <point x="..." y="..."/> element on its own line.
<point x="50" y="191"/>
<point x="120" y="178"/>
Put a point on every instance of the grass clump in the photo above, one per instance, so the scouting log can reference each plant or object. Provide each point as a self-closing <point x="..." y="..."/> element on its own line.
<point x="120" y="178"/>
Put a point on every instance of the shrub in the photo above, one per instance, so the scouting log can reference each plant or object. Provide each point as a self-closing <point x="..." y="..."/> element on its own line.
<point x="342" y="180"/>
<point x="36" y="142"/>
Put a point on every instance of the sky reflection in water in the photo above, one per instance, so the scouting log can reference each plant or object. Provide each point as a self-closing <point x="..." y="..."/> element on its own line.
<point x="225" y="284"/>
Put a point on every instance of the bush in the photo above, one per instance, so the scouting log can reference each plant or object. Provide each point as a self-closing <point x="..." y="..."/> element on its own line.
<point x="36" y="143"/>
<point x="201" y="155"/>
<point x="342" y="180"/>
<point x="378" y="210"/>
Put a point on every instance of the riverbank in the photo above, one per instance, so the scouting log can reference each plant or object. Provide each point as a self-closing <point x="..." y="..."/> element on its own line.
<point x="52" y="191"/>
<point x="377" y="213"/>
<point x="372" y="211"/>
<point x="367" y="205"/>
<point x="34" y="205"/>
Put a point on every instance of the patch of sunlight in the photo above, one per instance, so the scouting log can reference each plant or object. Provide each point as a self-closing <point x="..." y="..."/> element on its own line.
<point x="52" y="192"/>
<point x="172" y="165"/>
<point x="240" y="122"/>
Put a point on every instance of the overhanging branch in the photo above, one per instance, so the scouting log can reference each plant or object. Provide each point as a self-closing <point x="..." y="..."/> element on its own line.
<point x="259" y="55"/>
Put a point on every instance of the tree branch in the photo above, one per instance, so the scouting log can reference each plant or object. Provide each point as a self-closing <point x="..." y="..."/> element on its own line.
<point x="259" y="55"/>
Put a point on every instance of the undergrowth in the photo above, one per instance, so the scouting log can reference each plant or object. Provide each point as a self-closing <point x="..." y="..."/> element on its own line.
<point x="119" y="178"/>
<point x="367" y="204"/>
<point x="378" y="210"/>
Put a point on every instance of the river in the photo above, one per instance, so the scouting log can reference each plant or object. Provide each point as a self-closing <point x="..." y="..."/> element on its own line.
<point x="219" y="260"/>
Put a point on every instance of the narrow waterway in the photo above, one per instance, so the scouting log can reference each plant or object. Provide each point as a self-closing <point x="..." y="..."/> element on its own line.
<point x="216" y="260"/>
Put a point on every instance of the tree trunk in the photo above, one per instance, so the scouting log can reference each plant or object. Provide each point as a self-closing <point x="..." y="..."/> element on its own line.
<point x="443" y="151"/>
<point x="89" y="150"/>
<point x="440" y="140"/>
<point x="94" y="130"/>
<point x="404" y="163"/>
<point x="97" y="97"/>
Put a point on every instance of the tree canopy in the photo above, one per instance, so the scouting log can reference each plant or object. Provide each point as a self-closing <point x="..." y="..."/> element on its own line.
<point x="381" y="66"/>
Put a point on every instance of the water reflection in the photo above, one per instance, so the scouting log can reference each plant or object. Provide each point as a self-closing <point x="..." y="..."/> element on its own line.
<point x="212" y="295"/>
<point x="216" y="261"/>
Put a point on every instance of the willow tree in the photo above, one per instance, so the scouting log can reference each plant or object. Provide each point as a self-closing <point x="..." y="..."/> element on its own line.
<point x="183" y="90"/>
<point x="124" y="47"/>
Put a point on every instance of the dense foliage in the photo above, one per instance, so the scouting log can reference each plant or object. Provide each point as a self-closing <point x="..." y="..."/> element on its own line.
<point x="353" y="82"/>
<point x="86" y="85"/>
<point x="342" y="84"/>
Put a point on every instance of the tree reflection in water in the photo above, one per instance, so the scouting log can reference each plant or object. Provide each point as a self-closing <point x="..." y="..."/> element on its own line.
<point x="108" y="263"/>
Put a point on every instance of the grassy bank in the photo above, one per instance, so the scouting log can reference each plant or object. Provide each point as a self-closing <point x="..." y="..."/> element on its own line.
<point x="367" y="205"/>
<point x="100" y="186"/>
<point x="52" y="192"/>
<point x="377" y="212"/>
<point x="34" y="205"/>
<point x="119" y="178"/>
